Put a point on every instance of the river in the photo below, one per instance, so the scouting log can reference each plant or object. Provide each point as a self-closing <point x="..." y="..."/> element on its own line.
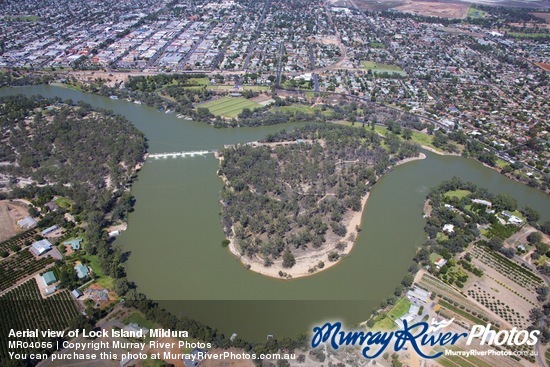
<point x="174" y="234"/>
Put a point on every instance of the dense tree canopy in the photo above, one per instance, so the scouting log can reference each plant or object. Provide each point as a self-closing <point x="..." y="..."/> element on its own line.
<point x="294" y="192"/>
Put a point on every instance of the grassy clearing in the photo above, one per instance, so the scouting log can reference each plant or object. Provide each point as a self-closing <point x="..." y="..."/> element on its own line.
<point x="198" y="81"/>
<point x="519" y="215"/>
<point x="63" y="202"/>
<point x="400" y="309"/>
<point x="441" y="236"/>
<point x="434" y="256"/>
<point x="384" y="324"/>
<point x="229" y="106"/>
<point x="138" y="318"/>
<point x="103" y="280"/>
<point x="376" y="68"/>
<point x="501" y="163"/>
<point x="458" y="193"/>
<point x="476" y="13"/>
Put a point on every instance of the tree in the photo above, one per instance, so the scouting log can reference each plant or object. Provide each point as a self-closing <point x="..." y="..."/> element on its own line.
<point x="407" y="280"/>
<point x="288" y="259"/>
<point x="545" y="227"/>
<point x="495" y="243"/>
<point x="505" y="202"/>
<point x="407" y="133"/>
<point x="531" y="214"/>
<point x="534" y="237"/>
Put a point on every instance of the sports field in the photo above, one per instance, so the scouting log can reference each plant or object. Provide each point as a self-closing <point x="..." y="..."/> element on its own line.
<point x="375" y="68"/>
<point x="229" y="106"/>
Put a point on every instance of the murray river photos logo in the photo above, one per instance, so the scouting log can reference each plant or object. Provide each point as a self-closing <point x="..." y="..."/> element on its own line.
<point x="417" y="336"/>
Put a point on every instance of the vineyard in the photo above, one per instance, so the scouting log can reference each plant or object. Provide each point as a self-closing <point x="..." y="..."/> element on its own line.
<point x="23" y="308"/>
<point x="18" y="266"/>
<point x="17" y="242"/>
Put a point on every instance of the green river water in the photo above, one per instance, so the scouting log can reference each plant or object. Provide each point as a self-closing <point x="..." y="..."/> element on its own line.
<point x="174" y="235"/>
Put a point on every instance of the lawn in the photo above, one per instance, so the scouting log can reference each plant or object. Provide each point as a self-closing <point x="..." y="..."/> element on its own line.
<point x="384" y="324"/>
<point x="501" y="163"/>
<point x="476" y="13"/>
<point x="458" y="193"/>
<point x="424" y="139"/>
<point x="400" y="309"/>
<point x="382" y="68"/>
<point x="441" y="236"/>
<point x="138" y="318"/>
<point x="103" y="280"/>
<point x="519" y="215"/>
<point x="229" y="106"/>
<point x="434" y="256"/>
<point x="63" y="202"/>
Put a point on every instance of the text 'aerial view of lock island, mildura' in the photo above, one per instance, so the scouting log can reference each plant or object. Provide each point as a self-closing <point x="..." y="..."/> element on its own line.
<point x="275" y="183"/>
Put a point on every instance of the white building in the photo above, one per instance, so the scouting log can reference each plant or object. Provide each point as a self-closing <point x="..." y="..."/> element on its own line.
<point x="40" y="247"/>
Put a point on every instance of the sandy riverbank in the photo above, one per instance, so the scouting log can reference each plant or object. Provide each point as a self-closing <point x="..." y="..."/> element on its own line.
<point x="310" y="260"/>
<point x="439" y="152"/>
<point x="406" y="160"/>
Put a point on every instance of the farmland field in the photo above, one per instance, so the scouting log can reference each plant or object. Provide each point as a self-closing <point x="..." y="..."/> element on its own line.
<point x="24" y="308"/>
<point x="20" y="265"/>
<point x="229" y="106"/>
